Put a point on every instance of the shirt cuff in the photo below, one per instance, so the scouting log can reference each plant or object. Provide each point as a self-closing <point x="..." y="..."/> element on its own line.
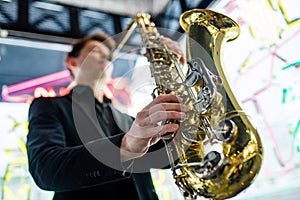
<point x="127" y="168"/>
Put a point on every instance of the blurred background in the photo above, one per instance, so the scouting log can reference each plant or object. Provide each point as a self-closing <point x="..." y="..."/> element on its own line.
<point x="262" y="65"/>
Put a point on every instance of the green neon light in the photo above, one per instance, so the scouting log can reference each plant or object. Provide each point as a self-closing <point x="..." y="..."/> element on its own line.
<point x="284" y="95"/>
<point x="295" y="135"/>
<point x="296" y="64"/>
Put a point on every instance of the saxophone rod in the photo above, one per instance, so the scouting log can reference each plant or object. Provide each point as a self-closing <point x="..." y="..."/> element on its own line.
<point x="123" y="40"/>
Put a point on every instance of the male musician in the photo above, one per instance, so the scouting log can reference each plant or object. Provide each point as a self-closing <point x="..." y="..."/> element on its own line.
<point x="82" y="148"/>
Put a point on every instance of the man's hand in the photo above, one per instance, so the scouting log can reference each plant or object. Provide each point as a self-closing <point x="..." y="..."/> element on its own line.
<point x="174" y="47"/>
<point x="146" y="131"/>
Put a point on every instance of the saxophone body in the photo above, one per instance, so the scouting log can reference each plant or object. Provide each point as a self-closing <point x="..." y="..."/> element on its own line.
<point x="218" y="151"/>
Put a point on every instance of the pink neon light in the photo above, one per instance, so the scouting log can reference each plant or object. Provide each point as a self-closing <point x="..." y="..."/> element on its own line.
<point x="38" y="81"/>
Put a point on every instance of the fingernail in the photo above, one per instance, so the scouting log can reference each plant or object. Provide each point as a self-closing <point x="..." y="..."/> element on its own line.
<point x="181" y="60"/>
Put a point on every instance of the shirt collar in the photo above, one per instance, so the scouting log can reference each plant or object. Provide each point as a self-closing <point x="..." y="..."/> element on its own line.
<point x="87" y="90"/>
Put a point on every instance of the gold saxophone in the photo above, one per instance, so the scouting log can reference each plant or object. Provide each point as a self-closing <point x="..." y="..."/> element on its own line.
<point x="218" y="151"/>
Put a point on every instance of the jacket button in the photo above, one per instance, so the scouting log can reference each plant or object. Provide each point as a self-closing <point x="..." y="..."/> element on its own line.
<point x="98" y="173"/>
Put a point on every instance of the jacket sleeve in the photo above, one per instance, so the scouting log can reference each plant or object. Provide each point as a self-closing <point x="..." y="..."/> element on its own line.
<point x="57" y="167"/>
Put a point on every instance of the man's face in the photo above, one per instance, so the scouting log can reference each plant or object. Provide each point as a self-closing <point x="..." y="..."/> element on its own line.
<point x="92" y="61"/>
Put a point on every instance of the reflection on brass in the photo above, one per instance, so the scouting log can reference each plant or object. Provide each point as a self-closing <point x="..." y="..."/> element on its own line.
<point x="218" y="151"/>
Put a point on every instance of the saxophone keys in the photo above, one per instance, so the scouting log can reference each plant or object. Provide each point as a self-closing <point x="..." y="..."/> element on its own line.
<point x="225" y="130"/>
<point x="212" y="164"/>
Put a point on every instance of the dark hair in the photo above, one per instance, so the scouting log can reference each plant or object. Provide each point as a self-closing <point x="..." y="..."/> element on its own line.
<point x="80" y="43"/>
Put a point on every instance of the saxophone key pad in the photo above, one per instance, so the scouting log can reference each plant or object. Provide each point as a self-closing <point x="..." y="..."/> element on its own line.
<point x="225" y="130"/>
<point x="210" y="166"/>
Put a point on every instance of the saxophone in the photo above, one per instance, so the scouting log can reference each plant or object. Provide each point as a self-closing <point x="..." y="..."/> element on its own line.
<point x="219" y="152"/>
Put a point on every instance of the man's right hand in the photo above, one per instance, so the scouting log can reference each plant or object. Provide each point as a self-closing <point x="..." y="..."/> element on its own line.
<point x="146" y="129"/>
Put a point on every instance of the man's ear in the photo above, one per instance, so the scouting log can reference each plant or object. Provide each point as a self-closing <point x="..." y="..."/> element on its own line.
<point x="71" y="63"/>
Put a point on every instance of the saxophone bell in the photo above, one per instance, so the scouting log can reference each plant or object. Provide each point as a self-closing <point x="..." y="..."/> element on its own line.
<point x="224" y="155"/>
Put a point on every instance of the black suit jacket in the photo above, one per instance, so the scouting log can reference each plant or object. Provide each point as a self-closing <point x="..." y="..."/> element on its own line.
<point x="66" y="147"/>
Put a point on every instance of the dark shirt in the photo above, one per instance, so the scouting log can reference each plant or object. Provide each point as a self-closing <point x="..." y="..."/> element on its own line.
<point x="109" y="126"/>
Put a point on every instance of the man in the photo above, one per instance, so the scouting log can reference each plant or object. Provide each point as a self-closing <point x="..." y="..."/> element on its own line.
<point x="82" y="148"/>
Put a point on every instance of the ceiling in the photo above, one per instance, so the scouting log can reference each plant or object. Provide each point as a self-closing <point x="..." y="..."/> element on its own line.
<point x="60" y="20"/>
<point x="120" y="7"/>
<point x="28" y="29"/>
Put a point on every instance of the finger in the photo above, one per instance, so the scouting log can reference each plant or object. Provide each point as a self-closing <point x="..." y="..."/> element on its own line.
<point x="144" y="132"/>
<point x="168" y="107"/>
<point x="160" y="116"/>
<point x="164" y="99"/>
<point x="158" y="131"/>
<point x="167" y="128"/>
<point x="154" y="140"/>
<point x="142" y="114"/>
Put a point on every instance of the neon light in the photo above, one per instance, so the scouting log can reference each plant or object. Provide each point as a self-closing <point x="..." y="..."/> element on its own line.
<point x="296" y="65"/>
<point x="284" y="91"/>
<point x="39" y="81"/>
<point x="38" y="92"/>
<point x="42" y="92"/>
<point x="296" y="136"/>
<point x="296" y="130"/>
